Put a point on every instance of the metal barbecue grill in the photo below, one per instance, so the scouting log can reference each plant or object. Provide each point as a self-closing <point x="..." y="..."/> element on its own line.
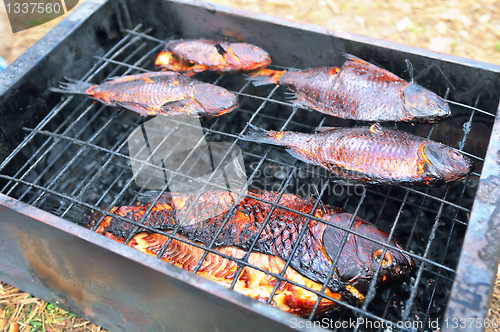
<point x="62" y="156"/>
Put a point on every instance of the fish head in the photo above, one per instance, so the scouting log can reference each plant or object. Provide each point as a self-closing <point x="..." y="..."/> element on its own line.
<point x="360" y="256"/>
<point x="249" y="54"/>
<point x="424" y="105"/>
<point x="443" y="163"/>
<point x="214" y="100"/>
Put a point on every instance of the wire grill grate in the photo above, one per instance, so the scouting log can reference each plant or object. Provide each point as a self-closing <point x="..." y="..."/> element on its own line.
<point x="78" y="156"/>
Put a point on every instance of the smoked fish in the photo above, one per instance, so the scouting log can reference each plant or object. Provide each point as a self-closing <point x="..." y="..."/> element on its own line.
<point x="371" y="155"/>
<point x="250" y="282"/>
<point x="358" y="91"/>
<point x="196" y="55"/>
<point x="152" y="94"/>
<point x="204" y="220"/>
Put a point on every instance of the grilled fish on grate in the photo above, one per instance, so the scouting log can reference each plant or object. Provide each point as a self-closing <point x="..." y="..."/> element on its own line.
<point x="197" y="55"/>
<point x="316" y="251"/>
<point x="251" y="282"/>
<point x="371" y="155"/>
<point x="358" y="91"/>
<point x="152" y="94"/>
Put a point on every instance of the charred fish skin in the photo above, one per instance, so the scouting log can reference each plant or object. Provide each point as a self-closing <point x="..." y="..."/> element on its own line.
<point x="360" y="91"/>
<point x="251" y="282"/>
<point x="153" y="94"/>
<point x="315" y="252"/>
<point x="371" y="155"/>
<point x="197" y="55"/>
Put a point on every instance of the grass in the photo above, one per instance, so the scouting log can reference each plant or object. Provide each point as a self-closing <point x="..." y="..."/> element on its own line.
<point x="34" y="22"/>
<point x="20" y="311"/>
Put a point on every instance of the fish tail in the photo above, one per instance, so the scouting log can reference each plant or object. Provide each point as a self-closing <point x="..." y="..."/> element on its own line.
<point x="77" y="213"/>
<point x="259" y="135"/>
<point x="265" y="76"/>
<point x="73" y="87"/>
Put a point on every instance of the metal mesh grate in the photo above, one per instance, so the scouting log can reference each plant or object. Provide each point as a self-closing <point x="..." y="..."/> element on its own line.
<point x="78" y="156"/>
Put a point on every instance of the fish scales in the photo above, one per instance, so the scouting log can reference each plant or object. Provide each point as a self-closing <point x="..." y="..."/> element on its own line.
<point x="361" y="147"/>
<point x="371" y="155"/>
<point x="157" y="92"/>
<point x="164" y="93"/>
<point x="313" y="256"/>
<point x="202" y="223"/>
<point x="358" y="91"/>
<point x="353" y="93"/>
<point x="373" y="88"/>
<point x="362" y="142"/>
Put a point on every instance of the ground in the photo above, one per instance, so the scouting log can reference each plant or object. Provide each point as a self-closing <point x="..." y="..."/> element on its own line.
<point x="464" y="28"/>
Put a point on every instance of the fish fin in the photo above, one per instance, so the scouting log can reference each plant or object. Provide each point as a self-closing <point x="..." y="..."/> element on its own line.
<point x="302" y="102"/>
<point x="290" y="96"/>
<point x="323" y="208"/>
<point x="73" y="87"/>
<point x="182" y="107"/>
<point x="259" y="135"/>
<point x="128" y="78"/>
<point x="377" y="129"/>
<point x="265" y="76"/>
<point x="333" y="237"/>
<point x="300" y="157"/>
<point x="149" y="196"/>
<point x="324" y="129"/>
<point x="220" y="49"/>
<point x="315" y="195"/>
<point x="79" y="214"/>
<point x="354" y="58"/>
<point x="409" y="66"/>
<point x="138" y="108"/>
<point x="375" y="73"/>
<point x="167" y="60"/>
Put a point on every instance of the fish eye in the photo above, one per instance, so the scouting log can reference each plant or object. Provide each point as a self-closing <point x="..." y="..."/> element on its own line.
<point x="399" y="270"/>
<point x="377" y="255"/>
<point x="431" y="104"/>
<point x="455" y="155"/>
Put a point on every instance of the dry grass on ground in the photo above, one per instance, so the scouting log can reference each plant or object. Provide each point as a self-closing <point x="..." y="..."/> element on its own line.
<point x="13" y="45"/>
<point x="20" y="311"/>
<point x="460" y="27"/>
